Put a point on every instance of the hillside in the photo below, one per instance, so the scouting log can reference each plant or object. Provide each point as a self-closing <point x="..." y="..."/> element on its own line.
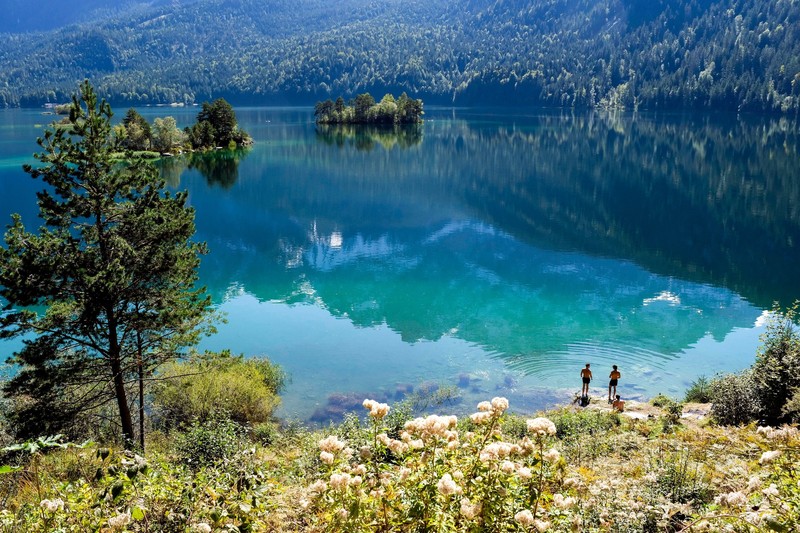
<point x="667" y="54"/>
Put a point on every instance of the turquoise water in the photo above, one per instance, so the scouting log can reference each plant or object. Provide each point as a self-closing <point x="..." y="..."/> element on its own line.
<point x="493" y="252"/>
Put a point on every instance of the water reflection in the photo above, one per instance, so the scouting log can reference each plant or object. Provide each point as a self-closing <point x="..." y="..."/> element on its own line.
<point x="366" y="137"/>
<point x="544" y="240"/>
<point x="218" y="167"/>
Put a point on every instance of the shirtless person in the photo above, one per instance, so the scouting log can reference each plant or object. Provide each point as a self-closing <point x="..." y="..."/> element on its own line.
<point x="612" y="384"/>
<point x="618" y="405"/>
<point x="586" y="377"/>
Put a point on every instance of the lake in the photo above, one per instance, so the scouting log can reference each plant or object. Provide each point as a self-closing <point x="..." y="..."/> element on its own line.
<point x="487" y="251"/>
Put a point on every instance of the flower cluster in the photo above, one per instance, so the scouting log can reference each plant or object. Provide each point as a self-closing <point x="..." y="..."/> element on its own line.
<point x="376" y="410"/>
<point x="52" y="506"/>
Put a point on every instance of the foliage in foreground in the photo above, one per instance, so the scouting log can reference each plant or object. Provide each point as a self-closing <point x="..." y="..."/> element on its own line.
<point x="244" y="390"/>
<point x="769" y="391"/>
<point x="583" y="470"/>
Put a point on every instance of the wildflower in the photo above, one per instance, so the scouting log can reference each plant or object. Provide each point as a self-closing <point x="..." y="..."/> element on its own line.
<point x="355" y="481"/>
<point x="481" y="417"/>
<point x="326" y="457"/>
<point x="404" y="473"/>
<point x="499" y="405"/>
<point x="447" y="486"/>
<point x="495" y="451"/>
<point x="552" y="456"/>
<point x="768" y="457"/>
<point x="731" y="499"/>
<point x="318" y="487"/>
<point x="541" y="426"/>
<point x="524" y="518"/>
<point x="525" y="473"/>
<point x="651" y="478"/>
<point x="508" y="467"/>
<point x="365" y="453"/>
<point x="753" y="483"/>
<point x="458" y="475"/>
<point x="562" y="502"/>
<point x="470" y="510"/>
<point x="772" y="490"/>
<point x="541" y="525"/>
<point x="360" y="470"/>
<point x="340" y="481"/>
<point x="342" y="514"/>
<point x="331" y="444"/>
<point x="51" y="506"/>
<point x="120" y="521"/>
<point x="376" y="410"/>
<point x="202" y="527"/>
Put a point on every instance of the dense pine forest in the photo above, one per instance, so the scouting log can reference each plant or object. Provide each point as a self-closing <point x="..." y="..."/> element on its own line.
<point x="652" y="54"/>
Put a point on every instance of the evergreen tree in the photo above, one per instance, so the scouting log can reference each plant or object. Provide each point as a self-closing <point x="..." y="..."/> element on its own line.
<point x="220" y="115"/>
<point x="105" y="292"/>
<point x="138" y="131"/>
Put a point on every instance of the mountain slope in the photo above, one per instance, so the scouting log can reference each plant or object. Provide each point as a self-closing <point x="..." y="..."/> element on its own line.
<point x="731" y="54"/>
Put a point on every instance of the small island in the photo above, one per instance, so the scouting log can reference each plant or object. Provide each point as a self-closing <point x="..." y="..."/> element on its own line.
<point x="216" y="128"/>
<point x="364" y="110"/>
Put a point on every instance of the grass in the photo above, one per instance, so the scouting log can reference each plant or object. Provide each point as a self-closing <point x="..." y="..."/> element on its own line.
<point x="593" y="470"/>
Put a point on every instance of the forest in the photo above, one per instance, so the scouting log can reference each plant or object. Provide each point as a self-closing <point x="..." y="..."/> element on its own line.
<point x="738" y="55"/>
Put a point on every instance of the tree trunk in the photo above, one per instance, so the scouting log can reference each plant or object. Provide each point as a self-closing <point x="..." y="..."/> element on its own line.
<point x="115" y="359"/>
<point x="141" y="391"/>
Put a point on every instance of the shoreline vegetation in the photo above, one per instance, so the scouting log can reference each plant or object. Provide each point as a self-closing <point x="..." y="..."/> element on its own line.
<point x="364" y="110"/>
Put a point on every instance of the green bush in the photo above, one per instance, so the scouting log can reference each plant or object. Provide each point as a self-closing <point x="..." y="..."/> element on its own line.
<point x="210" y="441"/>
<point x="776" y="372"/>
<point x="246" y="389"/>
<point x="699" y="392"/>
<point x="582" y="423"/>
<point x="733" y="399"/>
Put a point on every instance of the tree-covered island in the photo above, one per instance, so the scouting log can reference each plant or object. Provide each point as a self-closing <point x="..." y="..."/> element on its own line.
<point x="216" y="127"/>
<point x="364" y="110"/>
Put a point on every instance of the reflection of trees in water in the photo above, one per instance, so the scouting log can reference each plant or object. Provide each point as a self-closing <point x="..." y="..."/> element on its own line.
<point x="714" y="199"/>
<point x="218" y="167"/>
<point x="365" y="137"/>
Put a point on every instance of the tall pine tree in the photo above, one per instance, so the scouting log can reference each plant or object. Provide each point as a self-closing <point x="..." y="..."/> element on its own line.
<point x="106" y="290"/>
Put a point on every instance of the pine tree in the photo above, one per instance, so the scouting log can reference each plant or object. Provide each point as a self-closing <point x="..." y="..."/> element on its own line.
<point x="105" y="292"/>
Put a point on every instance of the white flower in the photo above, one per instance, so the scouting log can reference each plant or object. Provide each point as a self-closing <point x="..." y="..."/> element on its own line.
<point x="52" y="506"/>
<point x="447" y="486"/>
<point x="524" y="518"/>
<point x="768" y="457"/>
<point x="202" y="527"/>
<point x="772" y="490"/>
<point x="541" y="525"/>
<point x="120" y="521"/>
<point x="340" y="481"/>
<point x="485" y="407"/>
<point x="525" y="473"/>
<point x="318" y="487"/>
<point x="499" y="405"/>
<point x="731" y="499"/>
<point x="562" y="502"/>
<point x="326" y="457"/>
<point x="331" y="444"/>
<point x="468" y="510"/>
<point x="541" y="426"/>
<point x="552" y="456"/>
<point x="480" y="417"/>
<point x="376" y="410"/>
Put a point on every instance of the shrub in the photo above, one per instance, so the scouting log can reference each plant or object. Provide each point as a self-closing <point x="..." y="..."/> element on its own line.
<point x="207" y="442"/>
<point x="776" y="372"/>
<point x="246" y="389"/>
<point x="583" y="423"/>
<point x="699" y="392"/>
<point x="733" y="398"/>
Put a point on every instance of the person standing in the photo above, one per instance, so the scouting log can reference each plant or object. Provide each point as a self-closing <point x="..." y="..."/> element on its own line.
<point x="586" y="377"/>
<point x="612" y="383"/>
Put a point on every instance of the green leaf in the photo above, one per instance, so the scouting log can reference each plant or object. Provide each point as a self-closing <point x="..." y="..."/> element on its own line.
<point x="7" y="469"/>
<point x="137" y="513"/>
